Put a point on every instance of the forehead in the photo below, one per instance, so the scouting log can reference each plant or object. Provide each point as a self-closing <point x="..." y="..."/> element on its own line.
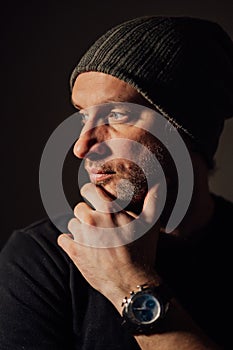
<point x="93" y="88"/>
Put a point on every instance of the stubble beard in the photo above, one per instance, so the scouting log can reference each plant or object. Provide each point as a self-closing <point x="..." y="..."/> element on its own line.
<point x="134" y="179"/>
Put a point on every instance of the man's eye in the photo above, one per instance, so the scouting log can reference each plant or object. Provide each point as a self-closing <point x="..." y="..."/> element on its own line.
<point x="117" y="117"/>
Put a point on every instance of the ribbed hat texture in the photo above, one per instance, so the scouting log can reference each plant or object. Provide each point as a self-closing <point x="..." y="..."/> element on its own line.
<point x="183" y="66"/>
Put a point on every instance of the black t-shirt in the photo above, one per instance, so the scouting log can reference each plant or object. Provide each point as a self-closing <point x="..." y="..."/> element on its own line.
<point x="46" y="304"/>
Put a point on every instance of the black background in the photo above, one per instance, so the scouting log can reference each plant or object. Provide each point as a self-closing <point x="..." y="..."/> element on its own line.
<point x="40" y="45"/>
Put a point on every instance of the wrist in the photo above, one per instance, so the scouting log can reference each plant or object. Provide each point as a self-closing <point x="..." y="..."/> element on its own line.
<point x="117" y="293"/>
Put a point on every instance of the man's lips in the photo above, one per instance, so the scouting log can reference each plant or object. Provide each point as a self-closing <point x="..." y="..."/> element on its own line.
<point x="97" y="175"/>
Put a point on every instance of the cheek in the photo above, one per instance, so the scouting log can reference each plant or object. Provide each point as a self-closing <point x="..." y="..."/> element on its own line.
<point x="130" y="148"/>
<point x="129" y="155"/>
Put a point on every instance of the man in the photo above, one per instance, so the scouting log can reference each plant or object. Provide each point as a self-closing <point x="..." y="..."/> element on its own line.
<point x="69" y="296"/>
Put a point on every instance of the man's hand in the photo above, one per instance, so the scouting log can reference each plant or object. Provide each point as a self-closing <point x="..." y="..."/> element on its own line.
<point x="113" y="271"/>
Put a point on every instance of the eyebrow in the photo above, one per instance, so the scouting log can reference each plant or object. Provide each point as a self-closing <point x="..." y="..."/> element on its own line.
<point x="105" y="101"/>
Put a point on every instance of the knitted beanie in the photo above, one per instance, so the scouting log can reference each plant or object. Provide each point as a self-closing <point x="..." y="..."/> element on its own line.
<point x="183" y="66"/>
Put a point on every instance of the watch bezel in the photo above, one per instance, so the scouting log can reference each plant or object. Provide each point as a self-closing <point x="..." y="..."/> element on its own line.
<point x="162" y="296"/>
<point x="131" y="301"/>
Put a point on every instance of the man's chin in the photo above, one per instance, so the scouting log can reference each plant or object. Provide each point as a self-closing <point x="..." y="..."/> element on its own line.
<point x="127" y="201"/>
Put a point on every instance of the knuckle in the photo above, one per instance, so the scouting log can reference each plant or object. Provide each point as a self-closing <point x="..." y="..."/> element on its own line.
<point x="89" y="220"/>
<point x="111" y="207"/>
<point x="72" y="225"/>
<point x="80" y="207"/>
<point x="106" y="208"/>
<point x="85" y="189"/>
<point x="83" y="216"/>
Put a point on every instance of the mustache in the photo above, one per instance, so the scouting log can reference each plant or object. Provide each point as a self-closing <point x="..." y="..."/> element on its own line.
<point x="145" y="165"/>
<point x="100" y="165"/>
<point x="124" y="170"/>
<point x="110" y="165"/>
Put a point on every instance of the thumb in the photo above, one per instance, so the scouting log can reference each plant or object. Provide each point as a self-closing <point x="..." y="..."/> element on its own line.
<point x="152" y="205"/>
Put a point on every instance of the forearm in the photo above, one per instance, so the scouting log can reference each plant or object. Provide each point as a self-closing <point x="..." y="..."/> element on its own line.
<point x="178" y="330"/>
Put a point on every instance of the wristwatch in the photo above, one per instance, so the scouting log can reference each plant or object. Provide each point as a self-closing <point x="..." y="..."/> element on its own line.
<point x="145" y="309"/>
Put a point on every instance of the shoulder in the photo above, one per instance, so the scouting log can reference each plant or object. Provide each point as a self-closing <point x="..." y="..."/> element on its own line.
<point x="46" y="228"/>
<point x="223" y="213"/>
<point x="35" y="243"/>
<point x="35" y="290"/>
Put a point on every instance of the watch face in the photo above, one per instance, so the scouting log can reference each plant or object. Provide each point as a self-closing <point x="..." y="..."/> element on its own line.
<point x="144" y="308"/>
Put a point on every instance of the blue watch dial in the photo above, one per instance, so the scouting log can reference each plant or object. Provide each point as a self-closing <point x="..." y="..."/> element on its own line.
<point x="145" y="308"/>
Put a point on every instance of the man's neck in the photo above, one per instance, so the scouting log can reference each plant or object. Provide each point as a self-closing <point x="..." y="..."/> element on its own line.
<point x="201" y="208"/>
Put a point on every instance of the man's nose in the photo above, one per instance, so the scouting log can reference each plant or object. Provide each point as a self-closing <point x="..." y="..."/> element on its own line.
<point x="90" y="143"/>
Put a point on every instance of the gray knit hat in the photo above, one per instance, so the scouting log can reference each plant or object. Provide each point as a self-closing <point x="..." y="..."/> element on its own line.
<point x="183" y="66"/>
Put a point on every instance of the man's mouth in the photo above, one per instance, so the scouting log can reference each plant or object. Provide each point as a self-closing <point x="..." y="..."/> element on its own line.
<point x="99" y="176"/>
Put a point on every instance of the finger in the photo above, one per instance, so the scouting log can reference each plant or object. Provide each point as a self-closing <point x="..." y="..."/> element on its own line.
<point x="73" y="226"/>
<point x="84" y="213"/>
<point x="79" y="231"/>
<point x="151" y="204"/>
<point x="67" y="244"/>
<point x="101" y="201"/>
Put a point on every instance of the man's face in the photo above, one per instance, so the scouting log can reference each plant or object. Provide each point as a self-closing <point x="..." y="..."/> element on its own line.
<point x="121" y="167"/>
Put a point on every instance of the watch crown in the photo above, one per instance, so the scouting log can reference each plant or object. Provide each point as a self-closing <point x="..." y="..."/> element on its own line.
<point x="141" y="287"/>
<point x="124" y="301"/>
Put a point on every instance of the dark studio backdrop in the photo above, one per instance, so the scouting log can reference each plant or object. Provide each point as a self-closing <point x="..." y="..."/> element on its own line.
<point x="40" y="45"/>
